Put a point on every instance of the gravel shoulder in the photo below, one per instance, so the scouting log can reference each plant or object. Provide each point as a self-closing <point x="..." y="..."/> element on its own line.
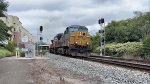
<point x="55" y="69"/>
<point x="97" y="73"/>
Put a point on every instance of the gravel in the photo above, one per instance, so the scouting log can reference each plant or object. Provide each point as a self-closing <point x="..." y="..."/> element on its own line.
<point x="98" y="73"/>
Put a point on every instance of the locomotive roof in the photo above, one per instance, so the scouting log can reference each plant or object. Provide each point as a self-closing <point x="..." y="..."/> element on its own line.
<point x="77" y="26"/>
<point x="58" y="36"/>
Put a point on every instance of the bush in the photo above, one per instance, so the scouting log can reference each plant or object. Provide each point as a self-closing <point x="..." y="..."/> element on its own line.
<point x="146" y="47"/>
<point x="5" y="53"/>
<point x="120" y="49"/>
<point x="10" y="46"/>
<point x="43" y="52"/>
<point x="22" y="54"/>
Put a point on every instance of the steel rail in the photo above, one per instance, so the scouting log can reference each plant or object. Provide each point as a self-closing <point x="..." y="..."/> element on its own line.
<point x="123" y="62"/>
<point x="134" y="64"/>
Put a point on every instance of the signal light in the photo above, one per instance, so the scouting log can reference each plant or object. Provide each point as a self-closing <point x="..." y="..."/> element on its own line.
<point x="41" y="38"/>
<point x="101" y="21"/>
<point x="101" y="31"/>
<point x="41" y="29"/>
<point x="102" y="41"/>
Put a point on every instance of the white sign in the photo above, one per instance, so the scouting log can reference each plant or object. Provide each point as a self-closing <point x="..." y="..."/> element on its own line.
<point x="25" y="39"/>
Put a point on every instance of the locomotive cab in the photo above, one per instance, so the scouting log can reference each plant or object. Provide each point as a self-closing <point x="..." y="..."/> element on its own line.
<point x="77" y="41"/>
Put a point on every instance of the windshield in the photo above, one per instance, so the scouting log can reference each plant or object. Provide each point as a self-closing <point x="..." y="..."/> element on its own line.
<point x="79" y="28"/>
<point x="82" y="28"/>
<point x="73" y="29"/>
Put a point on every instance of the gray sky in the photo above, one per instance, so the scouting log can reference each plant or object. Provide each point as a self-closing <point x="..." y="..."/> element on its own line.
<point x="56" y="15"/>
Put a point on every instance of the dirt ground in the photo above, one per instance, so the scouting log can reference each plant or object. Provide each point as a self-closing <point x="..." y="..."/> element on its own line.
<point x="45" y="72"/>
<point x="15" y="71"/>
<point x="35" y="71"/>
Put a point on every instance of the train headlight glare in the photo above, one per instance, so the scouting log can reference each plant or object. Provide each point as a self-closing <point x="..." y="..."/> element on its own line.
<point x="87" y="43"/>
<point x="76" y="42"/>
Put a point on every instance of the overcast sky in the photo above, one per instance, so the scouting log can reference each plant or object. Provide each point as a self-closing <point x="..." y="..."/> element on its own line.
<point x="56" y="15"/>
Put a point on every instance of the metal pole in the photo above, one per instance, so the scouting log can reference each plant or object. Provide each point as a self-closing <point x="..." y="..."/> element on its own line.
<point x="37" y="42"/>
<point x="104" y="38"/>
<point x="100" y="37"/>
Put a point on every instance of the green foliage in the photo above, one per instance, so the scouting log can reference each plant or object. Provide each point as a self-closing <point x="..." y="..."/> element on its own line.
<point x="3" y="7"/>
<point x="125" y="37"/>
<point x="95" y="42"/>
<point x="4" y="35"/>
<point x="120" y="49"/>
<point x="129" y="30"/>
<point x="146" y="47"/>
<point x="22" y="54"/>
<point x="5" y="53"/>
<point x="11" y="46"/>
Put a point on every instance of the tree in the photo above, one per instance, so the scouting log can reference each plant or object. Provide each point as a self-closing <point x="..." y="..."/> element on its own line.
<point x="11" y="46"/>
<point x="95" y="41"/>
<point x="130" y="30"/>
<point x="3" y="7"/>
<point x="4" y="35"/>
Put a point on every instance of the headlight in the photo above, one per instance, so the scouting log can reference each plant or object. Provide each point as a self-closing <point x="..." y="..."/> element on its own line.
<point x="87" y="43"/>
<point x="76" y="42"/>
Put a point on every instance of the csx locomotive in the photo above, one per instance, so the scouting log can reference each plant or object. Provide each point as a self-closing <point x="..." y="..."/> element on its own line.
<point x="75" y="41"/>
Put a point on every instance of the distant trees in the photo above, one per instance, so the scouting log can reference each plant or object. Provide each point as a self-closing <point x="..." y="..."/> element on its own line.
<point x="129" y="30"/>
<point x="121" y="33"/>
<point x="95" y="42"/>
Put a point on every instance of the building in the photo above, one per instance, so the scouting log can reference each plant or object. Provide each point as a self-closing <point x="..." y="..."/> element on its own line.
<point x="18" y="31"/>
<point x="26" y="33"/>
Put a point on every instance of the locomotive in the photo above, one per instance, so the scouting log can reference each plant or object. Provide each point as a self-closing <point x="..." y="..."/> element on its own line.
<point x="75" y="41"/>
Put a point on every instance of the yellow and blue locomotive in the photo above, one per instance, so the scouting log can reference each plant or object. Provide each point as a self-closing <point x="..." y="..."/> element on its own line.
<point x="75" y="41"/>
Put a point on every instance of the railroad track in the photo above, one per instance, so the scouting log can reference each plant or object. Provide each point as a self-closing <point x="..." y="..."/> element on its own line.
<point x="128" y="63"/>
<point x="136" y="64"/>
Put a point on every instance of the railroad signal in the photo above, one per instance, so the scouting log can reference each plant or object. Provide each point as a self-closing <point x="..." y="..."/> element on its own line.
<point x="101" y="21"/>
<point x="41" y="38"/>
<point x="41" y="29"/>
<point x="102" y="41"/>
<point x="101" y="31"/>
